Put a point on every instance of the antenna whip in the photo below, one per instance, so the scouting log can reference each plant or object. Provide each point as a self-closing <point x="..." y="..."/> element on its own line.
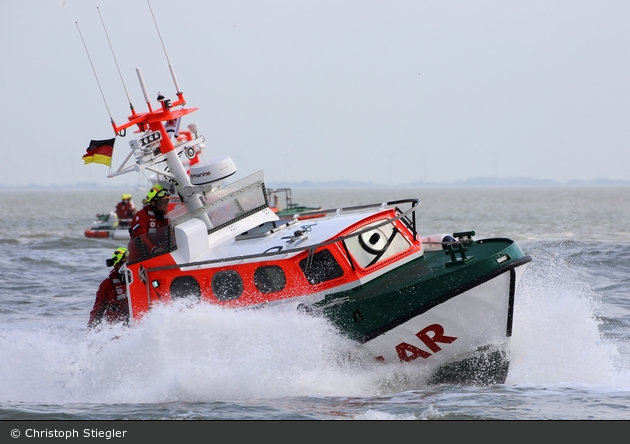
<point x="170" y="67"/>
<point x="94" y="70"/>
<point x="115" y="61"/>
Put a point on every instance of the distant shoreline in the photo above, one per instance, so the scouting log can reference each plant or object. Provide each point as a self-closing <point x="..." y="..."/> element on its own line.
<point x="477" y="182"/>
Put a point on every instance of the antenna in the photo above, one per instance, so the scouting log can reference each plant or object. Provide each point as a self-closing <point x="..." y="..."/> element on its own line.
<point x="96" y="76"/>
<point x="144" y="88"/>
<point x="180" y="94"/>
<point x="116" y="61"/>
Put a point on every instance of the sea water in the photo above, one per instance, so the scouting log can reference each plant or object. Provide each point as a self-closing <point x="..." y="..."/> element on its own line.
<point x="570" y="344"/>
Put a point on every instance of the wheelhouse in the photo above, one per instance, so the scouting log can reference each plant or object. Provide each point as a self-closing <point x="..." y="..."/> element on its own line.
<point x="296" y="257"/>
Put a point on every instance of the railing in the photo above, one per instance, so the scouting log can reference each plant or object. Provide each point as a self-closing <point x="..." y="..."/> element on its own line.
<point x="408" y="217"/>
<point x="152" y="244"/>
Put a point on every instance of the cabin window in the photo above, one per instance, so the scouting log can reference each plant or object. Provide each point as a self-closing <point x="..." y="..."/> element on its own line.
<point x="376" y="245"/>
<point x="321" y="267"/>
<point x="185" y="287"/>
<point x="227" y="285"/>
<point x="269" y="279"/>
<point x="236" y="206"/>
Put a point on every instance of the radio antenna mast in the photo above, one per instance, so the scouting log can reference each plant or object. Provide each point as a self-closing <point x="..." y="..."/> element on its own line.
<point x="116" y="62"/>
<point x="180" y="94"/>
<point x="95" y="75"/>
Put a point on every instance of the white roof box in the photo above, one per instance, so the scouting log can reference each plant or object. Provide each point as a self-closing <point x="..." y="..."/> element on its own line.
<point x="213" y="170"/>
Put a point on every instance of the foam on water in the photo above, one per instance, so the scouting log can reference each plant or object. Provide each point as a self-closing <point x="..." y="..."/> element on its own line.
<point x="206" y="353"/>
<point x="203" y="353"/>
<point x="571" y="308"/>
<point x="556" y="334"/>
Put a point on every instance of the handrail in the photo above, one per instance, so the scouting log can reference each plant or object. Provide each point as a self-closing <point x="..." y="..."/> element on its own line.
<point x="414" y="204"/>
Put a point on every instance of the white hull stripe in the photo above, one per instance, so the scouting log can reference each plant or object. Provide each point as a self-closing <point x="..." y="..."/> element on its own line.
<point x="455" y="292"/>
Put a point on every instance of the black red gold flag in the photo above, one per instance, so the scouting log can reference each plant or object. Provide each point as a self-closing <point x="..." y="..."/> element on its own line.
<point x="100" y="151"/>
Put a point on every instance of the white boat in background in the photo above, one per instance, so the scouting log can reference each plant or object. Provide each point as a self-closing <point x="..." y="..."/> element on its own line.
<point x="108" y="226"/>
<point x="281" y="203"/>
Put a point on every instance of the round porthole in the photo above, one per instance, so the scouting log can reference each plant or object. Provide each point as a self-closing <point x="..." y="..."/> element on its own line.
<point x="269" y="279"/>
<point x="185" y="287"/>
<point x="227" y="285"/>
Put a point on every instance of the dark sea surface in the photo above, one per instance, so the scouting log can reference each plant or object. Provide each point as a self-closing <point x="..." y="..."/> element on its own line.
<point x="570" y="344"/>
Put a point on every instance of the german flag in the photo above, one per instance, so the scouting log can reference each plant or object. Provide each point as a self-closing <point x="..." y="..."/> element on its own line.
<point x="100" y="151"/>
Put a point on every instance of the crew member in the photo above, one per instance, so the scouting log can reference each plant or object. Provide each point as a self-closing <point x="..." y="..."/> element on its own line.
<point x="147" y="236"/>
<point x="125" y="210"/>
<point x="153" y="215"/>
<point x="111" y="304"/>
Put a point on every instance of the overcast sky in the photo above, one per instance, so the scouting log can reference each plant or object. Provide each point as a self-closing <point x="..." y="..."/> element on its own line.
<point x="389" y="91"/>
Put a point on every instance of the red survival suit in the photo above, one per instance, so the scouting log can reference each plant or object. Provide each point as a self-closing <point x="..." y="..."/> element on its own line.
<point x="111" y="303"/>
<point x="146" y="221"/>
<point x="125" y="211"/>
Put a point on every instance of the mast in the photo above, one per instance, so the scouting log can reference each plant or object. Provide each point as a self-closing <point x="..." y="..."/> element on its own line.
<point x="155" y="145"/>
<point x="156" y="136"/>
<point x="159" y="139"/>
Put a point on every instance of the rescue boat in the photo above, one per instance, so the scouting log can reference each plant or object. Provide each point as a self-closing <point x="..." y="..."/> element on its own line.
<point x="443" y="303"/>
<point x="108" y="226"/>
<point x="281" y="203"/>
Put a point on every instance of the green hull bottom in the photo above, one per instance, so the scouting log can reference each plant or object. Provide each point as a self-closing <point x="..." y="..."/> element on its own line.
<point x="373" y="309"/>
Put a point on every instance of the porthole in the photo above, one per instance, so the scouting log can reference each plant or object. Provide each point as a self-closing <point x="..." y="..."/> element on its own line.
<point x="269" y="279"/>
<point x="185" y="287"/>
<point x="227" y="285"/>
